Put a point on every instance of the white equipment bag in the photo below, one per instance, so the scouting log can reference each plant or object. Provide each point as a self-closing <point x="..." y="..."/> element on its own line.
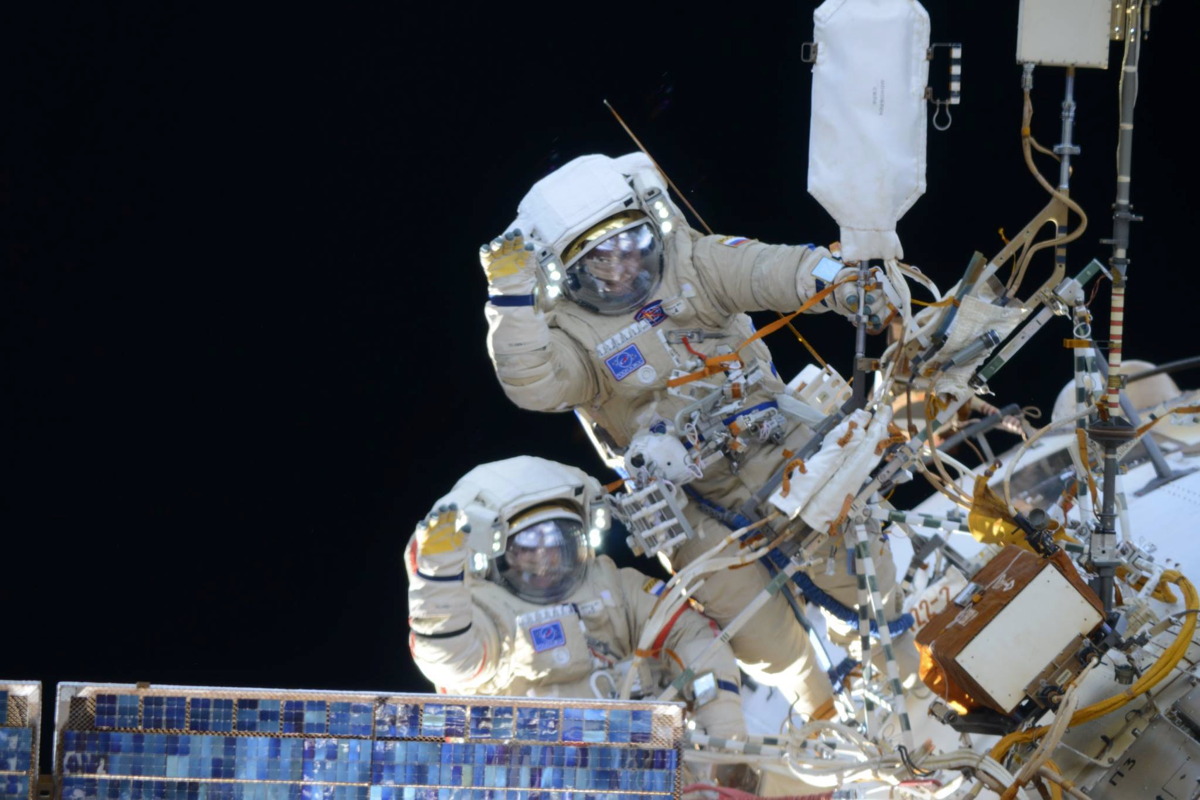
<point x="866" y="158"/>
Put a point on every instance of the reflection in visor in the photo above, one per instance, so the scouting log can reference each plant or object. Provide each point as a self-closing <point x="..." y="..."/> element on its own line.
<point x="544" y="562"/>
<point x="618" y="273"/>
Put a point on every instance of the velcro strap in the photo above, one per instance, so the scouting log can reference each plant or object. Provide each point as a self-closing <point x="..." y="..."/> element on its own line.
<point x="716" y="364"/>
<point x="424" y="577"/>
<point x="510" y="299"/>
<point x="460" y="632"/>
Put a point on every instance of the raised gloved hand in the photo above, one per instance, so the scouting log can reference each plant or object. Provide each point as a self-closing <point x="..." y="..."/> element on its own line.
<point x="881" y="297"/>
<point x="508" y="261"/>
<point x="441" y="542"/>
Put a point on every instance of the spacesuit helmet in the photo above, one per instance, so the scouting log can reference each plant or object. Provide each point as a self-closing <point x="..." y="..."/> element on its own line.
<point x="615" y="266"/>
<point x="546" y="555"/>
<point x="601" y="224"/>
<point x="533" y="524"/>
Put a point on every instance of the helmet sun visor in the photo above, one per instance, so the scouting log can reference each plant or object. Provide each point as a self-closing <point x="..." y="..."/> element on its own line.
<point x="546" y="557"/>
<point x="615" y="266"/>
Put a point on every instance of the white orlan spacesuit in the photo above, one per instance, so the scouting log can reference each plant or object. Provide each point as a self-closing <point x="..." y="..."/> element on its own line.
<point x="507" y="597"/>
<point x="651" y="299"/>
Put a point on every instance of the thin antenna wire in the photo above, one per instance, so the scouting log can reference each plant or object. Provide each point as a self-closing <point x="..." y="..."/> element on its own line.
<point x="681" y="196"/>
<point x="670" y="182"/>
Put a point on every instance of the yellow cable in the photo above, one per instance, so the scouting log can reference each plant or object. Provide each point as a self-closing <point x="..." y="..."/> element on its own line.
<point x="1055" y="789"/>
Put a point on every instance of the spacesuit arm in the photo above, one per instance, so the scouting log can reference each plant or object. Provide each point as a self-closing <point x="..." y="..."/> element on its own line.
<point x="687" y="635"/>
<point x="540" y="368"/>
<point x="745" y="275"/>
<point x="453" y="642"/>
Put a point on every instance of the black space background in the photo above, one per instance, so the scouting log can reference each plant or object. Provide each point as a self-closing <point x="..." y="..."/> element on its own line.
<point x="243" y="333"/>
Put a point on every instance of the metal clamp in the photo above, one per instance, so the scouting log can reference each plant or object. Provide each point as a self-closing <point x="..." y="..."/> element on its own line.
<point x="941" y="105"/>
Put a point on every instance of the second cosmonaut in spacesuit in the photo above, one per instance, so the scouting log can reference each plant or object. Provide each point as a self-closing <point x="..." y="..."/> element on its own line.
<point x="507" y="597"/>
<point x="604" y="301"/>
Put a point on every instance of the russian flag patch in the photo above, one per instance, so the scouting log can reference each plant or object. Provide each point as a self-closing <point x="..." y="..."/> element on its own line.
<point x="654" y="586"/>
<point x="734" y="241"/>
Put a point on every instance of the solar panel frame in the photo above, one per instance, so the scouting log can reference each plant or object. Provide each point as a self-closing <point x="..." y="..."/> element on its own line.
<point x="20" y="735"/>
<point x="281" y="744"/>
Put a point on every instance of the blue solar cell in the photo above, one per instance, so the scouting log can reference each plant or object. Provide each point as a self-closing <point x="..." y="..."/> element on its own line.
<point x="3" y="707"/>
<point x="527" y="727"/>
<point x="130" y="789"/>
<point x="619" y="722"/>
<point x="349" y="719"/>
<point x="640" y="725"/>
<point x="258" y="716"/>
<point x="398" y="720"/>
<point x="479" y="722"/>
<point x="503" y="720"/>
<point x="16" y="747"/>
<point x="304" y="716"/>
<point x="548" y="725"/>
<point x="164" y="713"/>
<point x="315" y="719"/>
<point x="211" y="714"/>
<point x="495" y="754"/>
<point x="433" y="720"/>
<point x="440" y="720"/>
<point x="666" y="759"/>
<point x="14" y="787"/>
<point x="128" y="711"/>
<point x="595" y="725"/>
<point x="456" y="721"/>
<point x="574" y="757"/>
<point x="106" y="711"/>
<point x="293" y="716"/>
<point x="572" y="725"/>
<point x="539" y="724"/>
<point x="322" y="750"/>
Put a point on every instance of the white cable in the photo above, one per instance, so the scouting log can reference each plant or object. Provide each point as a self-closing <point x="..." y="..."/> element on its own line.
<point x="1072" y="790"/>
<point x="683" y="585"/>
<point x="732" y="627"/>
<point x="1062" y="717"/>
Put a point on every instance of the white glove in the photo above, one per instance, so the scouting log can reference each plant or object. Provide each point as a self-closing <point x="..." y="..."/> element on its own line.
<point x="882" y="297"/>
<point x="441" y="543"/>
<point x="508" y="262"/>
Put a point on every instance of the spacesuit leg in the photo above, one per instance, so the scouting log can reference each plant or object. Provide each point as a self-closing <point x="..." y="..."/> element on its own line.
<point x="772" y="647"/>
<point x="836" y="578"/>
<point x="835" y="575"/>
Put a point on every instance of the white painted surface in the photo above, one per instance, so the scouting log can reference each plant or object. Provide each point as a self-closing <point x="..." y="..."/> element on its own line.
<point x="1037" y="624"/>
<point x="1064" y="32"/>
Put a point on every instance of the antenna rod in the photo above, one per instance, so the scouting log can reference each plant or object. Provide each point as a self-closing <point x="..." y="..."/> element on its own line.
<point x="1114" y="430"/>
<point x="709" y="230"/>
<point x="670" y="182"/>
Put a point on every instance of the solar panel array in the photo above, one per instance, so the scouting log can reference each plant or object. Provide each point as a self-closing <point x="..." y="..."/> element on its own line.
<point x="124" y="742"/>
<point x="20" y="719"/>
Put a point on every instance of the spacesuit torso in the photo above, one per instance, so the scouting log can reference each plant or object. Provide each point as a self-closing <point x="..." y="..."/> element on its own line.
<point x="615" y="368"/>
<point x="633" y="356"/>
<point x="572" y="649"/>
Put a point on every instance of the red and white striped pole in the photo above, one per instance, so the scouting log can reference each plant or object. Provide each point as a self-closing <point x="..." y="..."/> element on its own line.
<point x="1116" y="337"/>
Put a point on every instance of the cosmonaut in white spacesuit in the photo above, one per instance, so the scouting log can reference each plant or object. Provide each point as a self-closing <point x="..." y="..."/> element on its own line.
<point x="604" y="301"/>
<point x="506" y="596"/>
